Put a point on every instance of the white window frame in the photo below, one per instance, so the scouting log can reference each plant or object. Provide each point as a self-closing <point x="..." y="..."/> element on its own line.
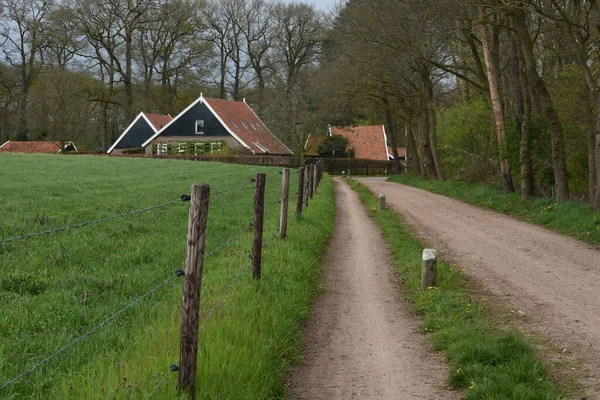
<point x="199" y="124"/>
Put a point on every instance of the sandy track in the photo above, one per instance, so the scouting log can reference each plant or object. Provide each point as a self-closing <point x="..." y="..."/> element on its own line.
<point x="554" y="280"/>
<point x="362" y="341"/>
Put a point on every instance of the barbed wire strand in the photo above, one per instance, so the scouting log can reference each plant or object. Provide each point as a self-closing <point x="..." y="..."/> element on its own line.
<point x="148" y="293"/>
<point x="183" y="198"/>
<point x="96" y="221"/>
<point x="89" y="332"/>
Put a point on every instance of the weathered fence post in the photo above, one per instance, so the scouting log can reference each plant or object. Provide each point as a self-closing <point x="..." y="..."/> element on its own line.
<point x="381" y="201"/>
<point x="300" y="198"/>
<point x="285" y="186"/>
<point x="192" y="283"/>
<point x="429" y="269"/>
<point x="259" y="210"/>
<point x="306" y="184"/>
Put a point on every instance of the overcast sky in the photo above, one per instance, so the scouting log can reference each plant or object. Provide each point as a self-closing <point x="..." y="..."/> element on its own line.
<point x="324" y="5"/>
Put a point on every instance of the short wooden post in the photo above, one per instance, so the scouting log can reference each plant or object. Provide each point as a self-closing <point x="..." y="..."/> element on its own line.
<point x="429" y="269"/>
<point x="285" y="188"/>
<point x="381" y="201"/>
<point x="192" y="283"/>
<point x="259" y="209"/>
<point x="300" y="198"/>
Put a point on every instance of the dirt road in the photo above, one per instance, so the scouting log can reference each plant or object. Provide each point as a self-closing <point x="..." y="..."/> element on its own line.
<point x="554" y="281"/>
<point x="362" y="341"/>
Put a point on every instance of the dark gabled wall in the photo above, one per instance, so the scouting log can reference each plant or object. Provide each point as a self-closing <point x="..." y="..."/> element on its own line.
<point x="136" y="136"/>
<point x="185" y="125"/>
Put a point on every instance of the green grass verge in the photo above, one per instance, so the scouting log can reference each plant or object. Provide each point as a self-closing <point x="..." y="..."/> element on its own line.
<point x="574" y="218"/>
<point x="483" y="360"/>
<point x="54" y="288"/>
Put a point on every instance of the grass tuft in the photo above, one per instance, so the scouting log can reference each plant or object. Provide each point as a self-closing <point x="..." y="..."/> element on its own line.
<point x="484" y="361"/>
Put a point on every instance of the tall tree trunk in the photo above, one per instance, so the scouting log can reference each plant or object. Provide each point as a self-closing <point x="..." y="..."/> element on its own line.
<point x="591" y="141"/>
<point x="427" y="162"/>
<point x="561" y="184"/>
<point x="523" y="98"/>
<point x="23" y="133"/>
<point x="391" y="135"/>
<point x="492" y="74"/>
<point x="127" y="78"/>
<point x="434" y="147"/>
<point x="412" y="155"/>
<point x="596" y="202"/>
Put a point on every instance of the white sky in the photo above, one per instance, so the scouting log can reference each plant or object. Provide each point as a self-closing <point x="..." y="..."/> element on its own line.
<point x="323" y="5"/>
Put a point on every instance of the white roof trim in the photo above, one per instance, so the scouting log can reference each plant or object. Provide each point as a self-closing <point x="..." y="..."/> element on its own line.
<point x="236" y="137"/>
<point x="7" y="142"/>
<point x="73" y="144"/>
<point x="389" y="156"/>
<point x="147" y="142"/>
<point x="307" y="139"/>
<point x="260" y="146"/>
<point x="127" y="130"/>
<point x="268" y="130"/>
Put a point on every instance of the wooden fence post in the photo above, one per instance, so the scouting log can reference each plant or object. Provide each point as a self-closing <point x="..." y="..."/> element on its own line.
<point x="300" y="199"/>
<point x="259" y="210"/>
<point x="192" y="284"/>
<point x="311" y="177"/>
<point x="429" y="269"/>
<point x="306" y="184"/>
<point x="285" y="186"/>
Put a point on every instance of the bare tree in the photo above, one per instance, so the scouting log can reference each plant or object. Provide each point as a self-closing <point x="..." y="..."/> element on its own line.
<point x="25" y="36"/>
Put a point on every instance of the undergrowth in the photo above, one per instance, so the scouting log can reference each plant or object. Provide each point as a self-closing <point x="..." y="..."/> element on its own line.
<point x="484" y="361"/>
<point x="574" y="218"/>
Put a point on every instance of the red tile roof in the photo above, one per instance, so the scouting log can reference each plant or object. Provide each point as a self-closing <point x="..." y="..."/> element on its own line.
<point x="401" y="152"/>
<point x="242" y="121"/>
<point x="368" y="142"/>
<point x="312" y="145"/>
<point x="30" y="147"/>
<point x="158" y="120"/>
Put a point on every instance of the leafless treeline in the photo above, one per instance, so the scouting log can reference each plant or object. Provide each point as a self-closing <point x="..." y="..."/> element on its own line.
<point x="82" y="69"/>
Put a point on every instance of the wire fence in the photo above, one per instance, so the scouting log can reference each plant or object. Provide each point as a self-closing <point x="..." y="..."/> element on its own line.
<point x="218" y="305"/>
<point x="183" y="198"/>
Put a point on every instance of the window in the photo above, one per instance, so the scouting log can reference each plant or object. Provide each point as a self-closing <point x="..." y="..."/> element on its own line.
<point x="234" y="124"/>
<point x="199" y="129"/>
<point x="244" y="125"/>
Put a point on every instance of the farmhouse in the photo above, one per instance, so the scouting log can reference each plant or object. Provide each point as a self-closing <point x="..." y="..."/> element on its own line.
<point x="214" y="126"/>
<point x="141" y="129"/>
<point x="36" y="147"/>
<point x="368" y="142"/>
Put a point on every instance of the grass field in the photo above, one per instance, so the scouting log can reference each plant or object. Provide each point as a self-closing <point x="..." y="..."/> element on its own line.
<point x="486" y="362"/>
<point x="573" y="218"/>
<point x="55" y="288"/>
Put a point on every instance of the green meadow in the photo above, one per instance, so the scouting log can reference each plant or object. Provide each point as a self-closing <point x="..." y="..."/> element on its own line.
<point x="57" y="287"/>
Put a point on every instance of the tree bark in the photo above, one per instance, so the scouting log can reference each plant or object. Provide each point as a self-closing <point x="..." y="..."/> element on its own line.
<point x="427" y="163"/>
<point x="492" y="74"/>
<point x="523" y="96"/>
<point x="412" y="156"/>
<point x="561" y="184"/>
